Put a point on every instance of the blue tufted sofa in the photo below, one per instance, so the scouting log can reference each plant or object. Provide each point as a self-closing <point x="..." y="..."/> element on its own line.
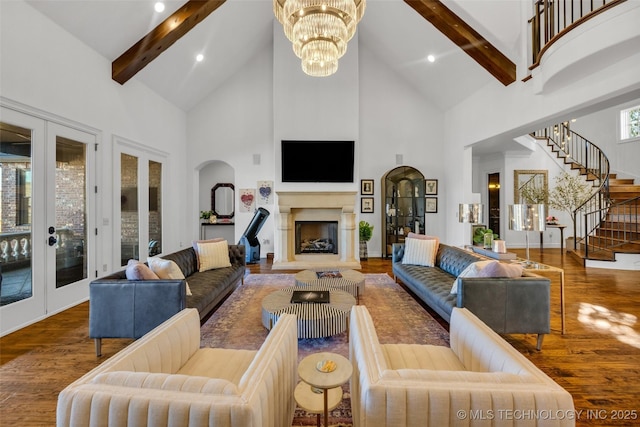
<point x="506" y="305"/>
<point x="121" y="308"/>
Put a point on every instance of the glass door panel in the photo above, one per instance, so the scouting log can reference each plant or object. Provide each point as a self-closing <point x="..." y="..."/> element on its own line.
<point x="71" y="216"/>
<point x="15" y="214"/>
<point x="129" y="212"/>
<point x="155" y="208"/>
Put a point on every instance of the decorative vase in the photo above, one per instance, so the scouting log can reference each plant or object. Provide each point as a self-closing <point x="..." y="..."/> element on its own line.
<point x="488" y="240"/>
<point x="213" y="219"/>
<point x="363" y="250"/>
<point x="499" y="246"/>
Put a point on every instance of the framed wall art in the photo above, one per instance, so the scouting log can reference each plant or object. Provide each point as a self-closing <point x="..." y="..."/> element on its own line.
<point x="431" y="187"/>
<point x="366" y="187"/>
<point x="366" y="205"/>
<point x="431" y="205"/>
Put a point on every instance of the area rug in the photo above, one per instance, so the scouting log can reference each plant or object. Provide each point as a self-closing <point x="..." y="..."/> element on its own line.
<point x="397" y="316"/>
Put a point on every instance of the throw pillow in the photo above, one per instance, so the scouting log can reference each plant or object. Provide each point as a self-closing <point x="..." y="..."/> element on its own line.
<point x="420" y="252"/>
<point x="502" y="269"/>
<point x="489" y="268"/>
<point x="137" y="270"/>
<point x="195" y="247"/>
<point x="413" y="235"/>
<point x="213" y="255"/>
<point x="167" y="269"/>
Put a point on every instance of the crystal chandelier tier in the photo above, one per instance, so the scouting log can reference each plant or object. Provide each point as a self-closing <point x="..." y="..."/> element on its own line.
<point x="319" y="30"/>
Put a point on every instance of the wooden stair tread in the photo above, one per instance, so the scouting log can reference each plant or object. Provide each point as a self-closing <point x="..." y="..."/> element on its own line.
<point x="620" y="181"/>
<point x="602" y="255"/>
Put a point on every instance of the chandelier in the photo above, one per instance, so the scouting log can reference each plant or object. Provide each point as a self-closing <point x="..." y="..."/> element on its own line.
<point x="319" y="30"/>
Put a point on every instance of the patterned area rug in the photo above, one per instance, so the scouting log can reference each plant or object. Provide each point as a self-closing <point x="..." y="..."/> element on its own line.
<point x="397" y="316"/>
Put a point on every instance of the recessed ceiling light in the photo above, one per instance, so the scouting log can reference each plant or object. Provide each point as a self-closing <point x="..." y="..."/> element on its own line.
<point x="431" y="58"/>
<point x="199" y="57"/>
<point x="159" y="7"/>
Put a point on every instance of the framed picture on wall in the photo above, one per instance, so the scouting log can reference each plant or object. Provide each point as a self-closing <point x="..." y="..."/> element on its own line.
<point x="431" y="187"/>
<point x="431" y="204"/>
<point x="366" y="187"/>
<point x="366" y="205"/>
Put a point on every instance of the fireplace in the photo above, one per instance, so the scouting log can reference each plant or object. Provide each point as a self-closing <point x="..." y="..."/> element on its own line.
<point x="316" y="230"/>
<point x="316" y="237"/>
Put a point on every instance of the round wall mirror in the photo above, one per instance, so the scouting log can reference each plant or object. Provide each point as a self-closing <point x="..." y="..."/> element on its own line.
<point x="222" y="200"/>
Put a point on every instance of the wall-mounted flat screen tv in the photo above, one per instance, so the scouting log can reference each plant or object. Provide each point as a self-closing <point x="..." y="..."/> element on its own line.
<point x="317" y="161"/>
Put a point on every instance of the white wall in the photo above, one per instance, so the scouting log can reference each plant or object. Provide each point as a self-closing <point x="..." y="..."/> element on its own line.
<point x="394" y="119"/>
<point x="233" y="124"/>
<point x="46" y="69"/>
<point x="602" y="128"/>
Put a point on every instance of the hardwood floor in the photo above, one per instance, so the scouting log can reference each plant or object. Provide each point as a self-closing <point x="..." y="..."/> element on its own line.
<point x="597" y="360"/>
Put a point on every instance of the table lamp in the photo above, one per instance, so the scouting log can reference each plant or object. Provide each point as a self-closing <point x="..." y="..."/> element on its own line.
<point x="527" y="218"/>
<point x="471" y="213"/>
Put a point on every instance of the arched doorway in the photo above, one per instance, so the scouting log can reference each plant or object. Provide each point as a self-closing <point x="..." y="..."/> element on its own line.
<point x="403" y="199"/>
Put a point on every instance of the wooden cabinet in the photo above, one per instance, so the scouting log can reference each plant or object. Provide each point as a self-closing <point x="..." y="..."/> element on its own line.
<point x="403" y="205"/>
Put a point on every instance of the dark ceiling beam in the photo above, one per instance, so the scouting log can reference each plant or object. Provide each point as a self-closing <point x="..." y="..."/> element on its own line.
<point x="463" y="35"/>
<point x="161" y="38"/>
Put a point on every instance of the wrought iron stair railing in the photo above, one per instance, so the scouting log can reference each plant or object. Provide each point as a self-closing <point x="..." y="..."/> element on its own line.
<point x="554" y="18"/>
<point x="591" y="162"/>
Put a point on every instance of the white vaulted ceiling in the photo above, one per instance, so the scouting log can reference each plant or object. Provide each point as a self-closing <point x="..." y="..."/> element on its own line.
<point x="238" y="29"/>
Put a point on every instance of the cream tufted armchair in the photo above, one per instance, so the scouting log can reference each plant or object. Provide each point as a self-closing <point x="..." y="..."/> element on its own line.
<point x="166" y="379"/>
<point x="479" y="380"/>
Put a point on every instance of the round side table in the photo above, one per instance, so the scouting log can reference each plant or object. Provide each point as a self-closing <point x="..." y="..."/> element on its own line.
<point x="313" y="402"/>
<point x="309" y="372"/>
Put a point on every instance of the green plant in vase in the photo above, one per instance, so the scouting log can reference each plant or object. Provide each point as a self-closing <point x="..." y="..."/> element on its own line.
<point x="365" y="232"/>
<point x="480" y="233"/>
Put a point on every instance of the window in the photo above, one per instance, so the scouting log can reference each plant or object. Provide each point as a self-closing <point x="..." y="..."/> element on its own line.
<point x="630" y="123"/>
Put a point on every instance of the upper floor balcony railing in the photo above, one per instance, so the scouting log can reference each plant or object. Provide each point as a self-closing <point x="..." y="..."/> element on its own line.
<point x="553" y="18"/>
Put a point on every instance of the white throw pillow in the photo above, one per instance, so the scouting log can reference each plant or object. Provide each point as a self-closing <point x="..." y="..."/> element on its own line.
<point x="167" y="269"/>
<point x="489" y="268"/>
<point x="212" y="255"/>
<point x="420" y="252"/>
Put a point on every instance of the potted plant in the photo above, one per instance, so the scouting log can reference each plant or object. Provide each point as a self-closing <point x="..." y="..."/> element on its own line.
<point x="479" y="235"/>
<point x="365" y="230"/>
<point x="206" y="215"/>
<point x="569" y="193"/>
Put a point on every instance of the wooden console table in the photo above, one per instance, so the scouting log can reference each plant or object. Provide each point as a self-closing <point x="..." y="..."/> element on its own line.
<point x="560" y="227"/>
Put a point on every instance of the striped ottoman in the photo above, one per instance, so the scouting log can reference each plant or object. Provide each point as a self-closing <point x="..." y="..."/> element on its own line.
<point x="315" y="320"/>
<point x="350" y="281"/>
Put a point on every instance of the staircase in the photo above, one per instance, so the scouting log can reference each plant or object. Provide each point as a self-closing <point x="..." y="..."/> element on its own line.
<point x="608" y="222"/>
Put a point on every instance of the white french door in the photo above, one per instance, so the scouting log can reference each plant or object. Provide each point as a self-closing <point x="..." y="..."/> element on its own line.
<point x="47" y="217"/>
<point x="138" y="180"/>
<point x="70" y="229"/>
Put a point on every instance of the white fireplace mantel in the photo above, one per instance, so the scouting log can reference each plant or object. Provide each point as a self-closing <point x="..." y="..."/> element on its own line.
<point x="316" y="206"/>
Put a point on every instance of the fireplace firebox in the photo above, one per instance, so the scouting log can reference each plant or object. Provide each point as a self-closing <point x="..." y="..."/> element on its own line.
<point x="316" y="237"/>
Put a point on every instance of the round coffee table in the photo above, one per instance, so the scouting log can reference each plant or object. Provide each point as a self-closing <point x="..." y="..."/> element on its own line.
<point x="315" y="320"/>
<point x="350" y="281"/>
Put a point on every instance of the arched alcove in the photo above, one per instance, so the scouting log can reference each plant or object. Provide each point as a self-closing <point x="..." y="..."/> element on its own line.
<point x="209" y="175"/>
<point x="403" y="202"/>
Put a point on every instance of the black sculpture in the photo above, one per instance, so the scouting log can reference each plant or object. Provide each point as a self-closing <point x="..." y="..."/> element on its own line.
<point x="250" y="236"/>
